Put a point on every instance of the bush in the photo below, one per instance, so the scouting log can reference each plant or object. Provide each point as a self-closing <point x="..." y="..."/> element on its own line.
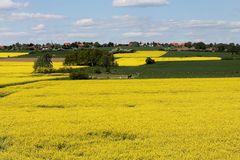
<point x="108" y="70"/>
<point x="149" y="60"/>
<point x="227" y="58"/>
<point x="45" y="70"/>
<point x="97" y="70"/>
<point x="78" y="75"/>
<point x="64" y="70"/>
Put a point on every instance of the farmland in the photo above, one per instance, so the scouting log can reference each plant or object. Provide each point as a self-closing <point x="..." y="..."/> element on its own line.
<point x="192" y="66"/>
<point x="138" y="58"/>
<point x="12" y="54"/>
<point x="180" y="108"/>
<point x="20" y="72"/>
<point x="164" y="119"/>
<point x="119" y="80"/>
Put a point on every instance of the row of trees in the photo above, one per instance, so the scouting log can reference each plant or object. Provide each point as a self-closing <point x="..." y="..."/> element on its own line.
<point x="220" y="47"/>
<point x="86" y="57"/>
<point x="53" y="46"/>
<point x="90" y="57"/>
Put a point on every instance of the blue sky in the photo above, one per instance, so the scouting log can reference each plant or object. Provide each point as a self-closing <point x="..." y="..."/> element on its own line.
<point x="119" y="21"/>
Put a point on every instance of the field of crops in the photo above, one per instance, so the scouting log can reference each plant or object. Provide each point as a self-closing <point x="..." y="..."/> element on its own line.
<point x="20" y="72"/>
<point x="197" y="54"/>
<point x="163" y="119"/>
<point x="197" y="118"/>
<point x="11" y="54"/>
<point x="138" y="58"/>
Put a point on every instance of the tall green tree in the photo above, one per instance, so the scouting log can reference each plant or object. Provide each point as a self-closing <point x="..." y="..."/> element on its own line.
<point x="43" y="62"/>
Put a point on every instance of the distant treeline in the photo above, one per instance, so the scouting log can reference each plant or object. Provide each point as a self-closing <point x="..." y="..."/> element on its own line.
<point x="199" y="46"/>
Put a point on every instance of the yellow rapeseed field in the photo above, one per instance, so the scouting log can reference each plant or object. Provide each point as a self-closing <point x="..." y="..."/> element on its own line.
<point x="138" y="58"/>
<point x="141" y="54"/>
<point x="121" y="119"/>
<point x="171" y="119"/>
<point x="11" y="54"/>
<point x="141" y="61"/>
<point x="16" y="72"/>
<point x="131" y="61"/>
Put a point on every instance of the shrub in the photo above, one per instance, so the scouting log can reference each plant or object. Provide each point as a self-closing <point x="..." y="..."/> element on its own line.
<point x="45" y="70"/>
<point x="108" y="70"/>
<point x="78" y="75"/>
<point x="227" y="58"/>
<point x="97" y="70"/>
<point x="149" y="60"/>
<point x="64" y="70"/>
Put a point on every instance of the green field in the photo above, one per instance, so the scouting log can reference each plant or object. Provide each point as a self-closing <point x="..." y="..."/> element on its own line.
<point x="184" y="69"/>
<point x="197" y="54"/>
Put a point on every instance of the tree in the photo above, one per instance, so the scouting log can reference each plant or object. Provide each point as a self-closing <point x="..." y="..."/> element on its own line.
<point x="149" y="60"/>
<point x="110" y="44"/>
<point x="211" y="45"/>
<point x="238" y="48"/>
<point x="232" y="48"/>
<point x="188" y="44"/>
<point x="97" y="44"/>
<point x="200" y="46"/>
<point x="107" y="60"/>
<point x="221" y="47"/>
<point x="90" y="57"/>
<point x="135" y="44"/>
<point x="43" y="62"/>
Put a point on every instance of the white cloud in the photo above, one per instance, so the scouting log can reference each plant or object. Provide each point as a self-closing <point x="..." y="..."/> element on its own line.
<point x="39" y="28"/>
<point x="41" y="16"/>
<point x="140" y="34"/>
<point x="10" y="4"/>
<point x="82" y="35"/>
<point x="237" y="30"/>
<point x="199" y="24"/>
<point x="13" y="34"/>
<point x="123" y="17"/>
<point x="203" y="24"/>
<point x="190" y="34"/>
<point x="88" y="22"/>
<point x="139" y="3"/>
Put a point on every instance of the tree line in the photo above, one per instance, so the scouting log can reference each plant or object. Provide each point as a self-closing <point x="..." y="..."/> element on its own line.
<point x="83" y="57"/>
<point x="218" y="47"/>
